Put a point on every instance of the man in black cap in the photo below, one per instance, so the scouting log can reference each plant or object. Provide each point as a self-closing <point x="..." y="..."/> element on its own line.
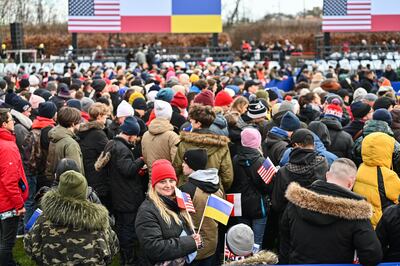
<point x="361" y="113"/>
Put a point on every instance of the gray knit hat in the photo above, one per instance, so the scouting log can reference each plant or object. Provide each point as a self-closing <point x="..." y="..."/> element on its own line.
<point x="240" y="240"/>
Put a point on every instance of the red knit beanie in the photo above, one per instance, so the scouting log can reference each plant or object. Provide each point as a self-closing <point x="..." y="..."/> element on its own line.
<point x="160" y="170"/>
<point x="223" y="99"/>
<point x="179" y="100"/>
<point x="334" y="109"/>
<point x="205" y="98"/>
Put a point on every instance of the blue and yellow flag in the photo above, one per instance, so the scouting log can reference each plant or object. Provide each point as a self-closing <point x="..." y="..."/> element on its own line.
<point x="218" y="209"/>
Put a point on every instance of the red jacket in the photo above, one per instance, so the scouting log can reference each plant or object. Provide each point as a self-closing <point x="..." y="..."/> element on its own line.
<point x="12" y="175"/>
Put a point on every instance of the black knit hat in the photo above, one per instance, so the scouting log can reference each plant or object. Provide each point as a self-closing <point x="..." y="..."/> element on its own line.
<point x="256" y="110"/>
<point x="47" y="109"/>
<point x="139" y="104"/>
<point x="196" y="159"/>
<point x="359" y="109"/>
<point x="98" y="85"/>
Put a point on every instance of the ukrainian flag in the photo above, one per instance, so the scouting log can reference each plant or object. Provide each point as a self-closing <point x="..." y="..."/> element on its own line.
<point x="218" y="209"/>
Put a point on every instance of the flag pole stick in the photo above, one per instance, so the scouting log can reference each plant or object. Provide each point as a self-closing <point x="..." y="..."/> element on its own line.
<point x="202" y="218"/>
<point x="191" y="221"/>
<point x="225" y="249"/>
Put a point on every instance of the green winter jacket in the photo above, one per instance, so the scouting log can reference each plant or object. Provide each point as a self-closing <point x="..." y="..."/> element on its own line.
<point x="217" y="150"/>
<point x="71" y="232"/>
<point x="62" y="145"/>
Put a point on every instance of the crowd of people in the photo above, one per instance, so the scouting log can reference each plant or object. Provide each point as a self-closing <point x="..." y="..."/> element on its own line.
<point x="104" y="154"/>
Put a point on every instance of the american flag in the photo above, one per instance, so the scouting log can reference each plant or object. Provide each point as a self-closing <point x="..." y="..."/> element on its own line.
<point x="267" y="171"/>
<point x="94" y="16"/>
<point x="347" y="15"/>
<point x="188" y="202"/>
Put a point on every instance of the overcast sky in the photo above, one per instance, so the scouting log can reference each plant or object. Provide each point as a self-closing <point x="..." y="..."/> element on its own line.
<point x="254" y="9"/>
<point x="257" y="9"/>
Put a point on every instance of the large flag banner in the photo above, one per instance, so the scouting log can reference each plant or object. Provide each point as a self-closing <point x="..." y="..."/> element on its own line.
<point x="361" y="15"/>
<point x="152" y="16"/>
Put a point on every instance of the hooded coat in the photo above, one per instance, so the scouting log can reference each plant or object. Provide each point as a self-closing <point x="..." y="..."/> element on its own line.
<point x="396" y="123"/>
<point x="62" y="145"/>
<point x="71" y="232"/>
<point x="249" y="183"/>
<point x="21" y="128"/>
<point x="159" y="142"/>
<point x="304" y="167"/>
<point x="263" y="257"/>
<point x="12" y="194"/>
<point x="325" y="224"/>
<point x="377" y="151"/>
<point x="220" y="126"/>
<point x="92" y="140"/>
<point x="388" y="232"/>
<point x="341" y="141"/>
<point x="217" y="150"/>
<point x="275" y="144"/>
<point x="201" y="184"/>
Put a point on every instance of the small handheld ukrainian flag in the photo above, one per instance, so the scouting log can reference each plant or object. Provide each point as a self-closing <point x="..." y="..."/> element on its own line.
<point x="218" y="209"/>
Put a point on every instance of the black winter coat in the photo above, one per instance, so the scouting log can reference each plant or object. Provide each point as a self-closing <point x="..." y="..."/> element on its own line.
<point x="325" y="225"/>
<point x="341" y="141"/>
<point x="127" y="192"/>
<point x="158" y="240"/>
<point x="274" y="147"/>
<point x="396" y="123"/>
<point x="304" y="167"/>
<point x="92" y="140"/>
<point x="248" y="182"/>
<point x="388" y="231"/>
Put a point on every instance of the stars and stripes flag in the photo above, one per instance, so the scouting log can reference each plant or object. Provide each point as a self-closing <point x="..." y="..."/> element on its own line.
<point x="94" y="16"/>
<point x="346" y="15"/>
<point x="267" y="171"/>
<point x="188" y="202"/>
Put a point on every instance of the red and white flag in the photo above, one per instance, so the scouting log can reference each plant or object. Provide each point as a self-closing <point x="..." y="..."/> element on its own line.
<point x="361" y="15"/>
<point x="188" y="202"/>
<point x="236" y="199"/>
<point x="179" y="199"/>
<point x="267" y="171"/>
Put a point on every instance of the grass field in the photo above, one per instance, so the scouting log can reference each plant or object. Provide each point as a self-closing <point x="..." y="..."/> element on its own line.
<point x="23" y="260"/>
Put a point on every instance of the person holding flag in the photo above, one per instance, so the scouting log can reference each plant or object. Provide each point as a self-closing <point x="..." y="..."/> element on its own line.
<point x="164" y="228"/>
<point x="201" y="184"/>
<point x="252" y="184"/>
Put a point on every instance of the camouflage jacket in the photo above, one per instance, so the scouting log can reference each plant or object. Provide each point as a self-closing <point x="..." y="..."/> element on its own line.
<point x="71" y="232"/>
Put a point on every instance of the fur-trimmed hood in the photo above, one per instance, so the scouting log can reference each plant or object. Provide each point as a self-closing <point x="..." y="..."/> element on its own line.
<point x="79" y="214"/>
<point x="262" y="257"/>
<point x="325" y="203"/>
<point x="84" y="127"/>
<point x="204" y="138"/>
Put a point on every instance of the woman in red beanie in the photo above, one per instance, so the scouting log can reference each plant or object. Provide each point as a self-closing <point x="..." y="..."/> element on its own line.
<point x="164" y="230"/>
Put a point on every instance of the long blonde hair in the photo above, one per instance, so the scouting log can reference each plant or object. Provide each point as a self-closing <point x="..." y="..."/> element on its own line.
<point x="166" y="213"/>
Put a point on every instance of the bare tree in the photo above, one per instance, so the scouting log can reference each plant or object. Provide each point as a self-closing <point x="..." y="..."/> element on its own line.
<point x="234" y="16"/>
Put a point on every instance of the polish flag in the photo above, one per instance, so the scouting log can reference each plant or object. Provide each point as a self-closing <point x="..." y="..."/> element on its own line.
<point x="179" y="199"/>
<point x="236" y="199"/>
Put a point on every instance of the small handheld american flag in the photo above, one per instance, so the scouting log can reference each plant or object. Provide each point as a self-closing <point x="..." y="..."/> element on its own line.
<point x="188" y="202"/>
<point x="267" y="171"/>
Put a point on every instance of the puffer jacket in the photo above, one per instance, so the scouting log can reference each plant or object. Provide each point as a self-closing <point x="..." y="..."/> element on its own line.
<point x="92" y="140"/>
<point x="13" y="185"/>
<point x="159" y="142"/>
<point x="62" y="145"/>
<point x="326" y="224"/>
<point x="304" y="167"/>
<point x="372" y="126"/>
<point x="220" y="126"/>
<point x="341" y="141"/>
<point x="248" y="183"/>
<point x="65" y="230"/>
<point x="159" y="241"/>
<point x="377" y="150"/>
<point x="201" y="184"/>
<point x="217" y="151"/>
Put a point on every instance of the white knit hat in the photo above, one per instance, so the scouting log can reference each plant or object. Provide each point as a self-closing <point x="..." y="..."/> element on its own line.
<point x="125" y="109"/>
<point x="162" y="109"/>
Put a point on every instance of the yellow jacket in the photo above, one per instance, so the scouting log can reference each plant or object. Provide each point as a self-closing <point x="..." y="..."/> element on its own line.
<point x="377" y="149"/>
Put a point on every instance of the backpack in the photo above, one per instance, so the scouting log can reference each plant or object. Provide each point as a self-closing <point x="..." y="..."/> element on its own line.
<point x="34" y="155"/>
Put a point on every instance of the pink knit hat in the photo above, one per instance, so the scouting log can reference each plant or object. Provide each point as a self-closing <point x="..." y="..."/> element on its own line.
<point x="251" y="138"/>
<point x="35" y="100"/>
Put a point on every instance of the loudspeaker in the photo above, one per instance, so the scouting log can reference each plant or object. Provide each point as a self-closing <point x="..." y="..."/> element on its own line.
<point x="17" y="36"/>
